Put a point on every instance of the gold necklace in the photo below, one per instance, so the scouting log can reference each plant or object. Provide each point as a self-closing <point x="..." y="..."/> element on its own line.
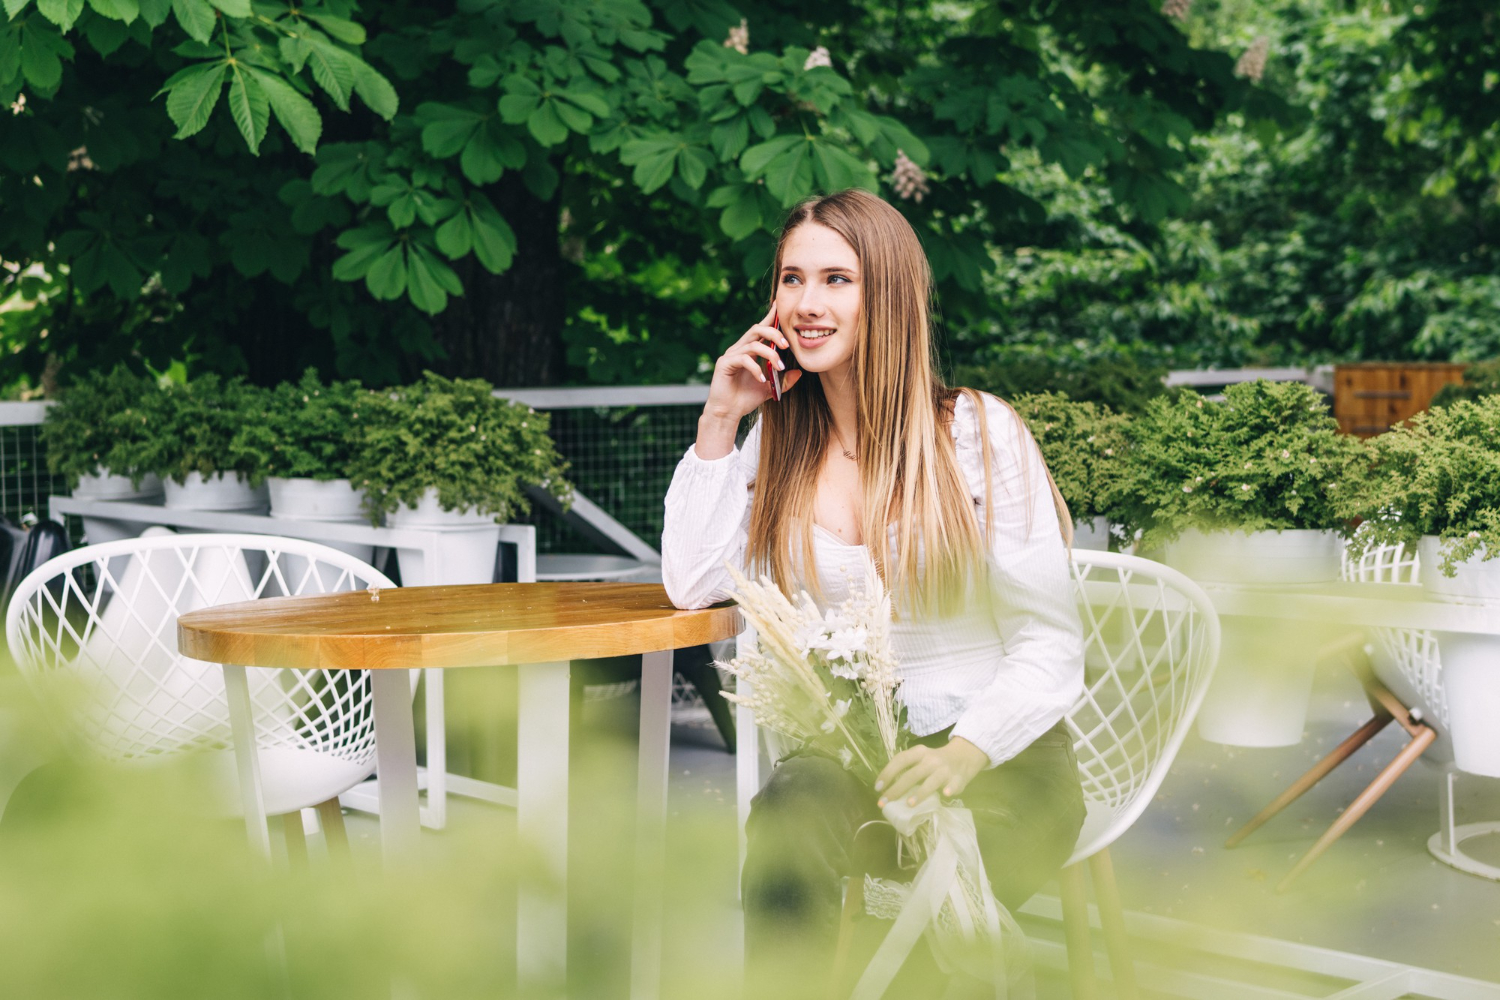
<point x="847" y="453"/>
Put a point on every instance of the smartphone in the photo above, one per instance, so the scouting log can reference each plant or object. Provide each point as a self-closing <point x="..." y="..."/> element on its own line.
<point x="787" y="358"/>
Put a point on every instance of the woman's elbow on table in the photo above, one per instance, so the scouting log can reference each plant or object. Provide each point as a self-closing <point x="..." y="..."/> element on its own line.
<point x="692" y="593"/>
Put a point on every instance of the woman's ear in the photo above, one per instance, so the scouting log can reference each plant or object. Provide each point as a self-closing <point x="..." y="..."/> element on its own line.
<point x="789" y="379"/>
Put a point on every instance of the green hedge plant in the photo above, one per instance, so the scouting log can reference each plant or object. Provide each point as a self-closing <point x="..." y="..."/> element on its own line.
<point x="99" y="425"/>
<point x="201" y="426"/>
<point x="1435" y="474"/>
<point x="308" y="430"/>
<point x="452" y="435"/>
<point x="1082" y="443"/>
<point x="1268" y="457"/>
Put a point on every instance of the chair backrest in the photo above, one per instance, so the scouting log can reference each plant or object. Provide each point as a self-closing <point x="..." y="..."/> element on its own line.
<point x="1405" y="660"/>
<point x="101" y="623"/>
<point x="1151" y="642"/>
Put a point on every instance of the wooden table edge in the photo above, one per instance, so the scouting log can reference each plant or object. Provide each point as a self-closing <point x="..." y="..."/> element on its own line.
<point x="445" y="650"/>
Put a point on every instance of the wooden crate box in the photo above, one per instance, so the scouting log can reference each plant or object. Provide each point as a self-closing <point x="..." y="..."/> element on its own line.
<point x="1372" y="397"/>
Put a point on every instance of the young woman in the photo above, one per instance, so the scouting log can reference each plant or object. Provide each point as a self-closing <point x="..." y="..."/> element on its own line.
<point x="868" y="452"/>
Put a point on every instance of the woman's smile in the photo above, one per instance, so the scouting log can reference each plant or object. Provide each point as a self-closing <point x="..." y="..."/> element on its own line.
<point x="813" y="337"/>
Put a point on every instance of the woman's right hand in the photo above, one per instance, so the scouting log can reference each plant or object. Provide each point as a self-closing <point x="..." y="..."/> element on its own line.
<point x="739" y="385"/>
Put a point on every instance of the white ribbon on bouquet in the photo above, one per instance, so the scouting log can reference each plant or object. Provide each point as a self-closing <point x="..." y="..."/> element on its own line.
<point x="988" y="944"/>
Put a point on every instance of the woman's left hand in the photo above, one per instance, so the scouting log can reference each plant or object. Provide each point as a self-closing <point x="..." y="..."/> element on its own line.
<point x="923" y="771"/>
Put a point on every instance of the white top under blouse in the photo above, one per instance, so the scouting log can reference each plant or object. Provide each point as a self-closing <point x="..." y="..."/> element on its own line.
<point x="1004" y="669"/>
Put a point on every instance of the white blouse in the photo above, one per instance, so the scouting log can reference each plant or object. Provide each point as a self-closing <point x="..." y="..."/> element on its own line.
<point x="1001" y="671"/>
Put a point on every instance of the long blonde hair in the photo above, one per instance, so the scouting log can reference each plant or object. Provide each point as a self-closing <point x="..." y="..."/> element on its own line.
<point x="908" y="468"/>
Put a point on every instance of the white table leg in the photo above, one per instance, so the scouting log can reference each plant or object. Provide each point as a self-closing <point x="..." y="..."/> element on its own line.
<point x="542" y="825"/>
<point x="435" y="816"/>
<point x="396" y="765"/>
<point x="746" y="752"/>
<point x="650" y="826"/>
<point x="246" y="760"/>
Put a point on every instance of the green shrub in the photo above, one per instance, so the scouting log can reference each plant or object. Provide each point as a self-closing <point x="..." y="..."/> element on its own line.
<point x="1081" y="442"/>
<point x="200" y="427"/>
<point x="1269" y="457"/>
<point x="1436" y="474"/>
<point x="308" y="430"/>
<point x="1482" y="378"/>
<point x="454" y="436"/>
<point x="98" y="425"/>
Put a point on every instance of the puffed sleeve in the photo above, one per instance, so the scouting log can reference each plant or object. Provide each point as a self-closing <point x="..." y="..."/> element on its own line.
<point x="1040" y="673"/>
<point x="707" y="523"/>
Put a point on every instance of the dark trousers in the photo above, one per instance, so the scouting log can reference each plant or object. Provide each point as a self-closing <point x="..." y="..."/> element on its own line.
<point x="1027" y="814"/>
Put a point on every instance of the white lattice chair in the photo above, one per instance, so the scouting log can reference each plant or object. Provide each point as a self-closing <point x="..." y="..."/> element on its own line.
<point x="1151" y="642"/>
<point x="1403" y="680"/>
<point x="98" y="626"/>
<point x="1407" y="662"/>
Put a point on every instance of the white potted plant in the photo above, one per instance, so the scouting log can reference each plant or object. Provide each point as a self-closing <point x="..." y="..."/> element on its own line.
<point x="1082" y="443"/>
<point x="445" y="454"/>
<point x="307" y="433"/>
<point x="1436" y="484"/>
<point x="96" y="436"/>
<point x="198" y="448"/>
<point x="1245" y="492"/>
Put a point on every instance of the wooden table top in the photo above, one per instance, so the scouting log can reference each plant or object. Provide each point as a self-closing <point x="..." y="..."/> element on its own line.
<point x="462" y="626"/>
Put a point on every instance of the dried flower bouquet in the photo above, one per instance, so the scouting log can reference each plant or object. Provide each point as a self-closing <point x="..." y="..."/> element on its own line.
<point x="824" y="681"/>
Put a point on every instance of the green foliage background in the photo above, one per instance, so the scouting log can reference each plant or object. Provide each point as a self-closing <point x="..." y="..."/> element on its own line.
<point x="1364" y="230"/>
<point x="586" y="190"/>
<point x="260" y="187"/>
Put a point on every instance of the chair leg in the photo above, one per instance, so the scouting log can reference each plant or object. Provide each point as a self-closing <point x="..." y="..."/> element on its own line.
<point x="1341" y="753"/>
<point x="296" y="840"/>
<point x="1075" y="908"/>
<point x="1112" y="920"/>
<point x="1361" y="805"/>
<point x="854" y="907"/>
<point x="332" y="817"/>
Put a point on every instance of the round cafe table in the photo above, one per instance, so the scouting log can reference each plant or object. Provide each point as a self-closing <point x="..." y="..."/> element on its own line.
<point x="537" y="628"/>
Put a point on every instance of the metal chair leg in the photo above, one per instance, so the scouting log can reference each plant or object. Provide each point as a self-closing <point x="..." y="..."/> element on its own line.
<point x="1112" y="921"/>
<point x="1341" y="753"/>
<point x="1361" y="805"/>
<point x="1075" y="908"/>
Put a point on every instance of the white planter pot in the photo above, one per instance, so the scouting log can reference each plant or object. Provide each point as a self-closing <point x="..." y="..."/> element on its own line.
<point x="1092" y="535"/>
<point x="466" y="542"/>
<point x="107" y="486"/>
<point x="1471" y="663"/>
<point x="428" y="514"/>
<point x="316" y="500"/>
<point x="1263" y="684"/>
<point x="219" y="491"/>
<point x="1474" y="582"/>
<point x="333" y="501"/>
<point x="1471" y="680"/>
